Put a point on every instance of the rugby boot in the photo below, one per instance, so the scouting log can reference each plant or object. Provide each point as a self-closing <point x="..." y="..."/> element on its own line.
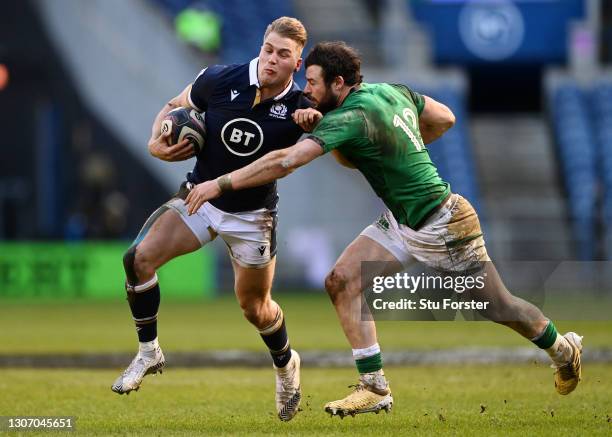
<point x="371" y="395"/>
<point x="288" y="390"/>
<point x="568" y="375"/>
<point x="143" y="364"/>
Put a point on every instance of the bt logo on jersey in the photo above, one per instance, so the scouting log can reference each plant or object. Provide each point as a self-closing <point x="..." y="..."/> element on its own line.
<point x="242" y="137"/>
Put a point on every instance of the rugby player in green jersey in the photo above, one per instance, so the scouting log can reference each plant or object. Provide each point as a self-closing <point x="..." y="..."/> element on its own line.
<point x="382" y="129"/>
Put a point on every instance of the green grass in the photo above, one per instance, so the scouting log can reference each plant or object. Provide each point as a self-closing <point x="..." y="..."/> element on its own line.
<point x="103" y="326"/>
<point x="434" y="400"/>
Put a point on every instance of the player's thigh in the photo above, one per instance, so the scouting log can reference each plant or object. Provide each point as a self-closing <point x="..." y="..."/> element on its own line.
<point x="250" y="236"/>
<point x="451" y="240"/>
<point x="167" y="237"/>
<point x="252" y="285"/>
<point x="363" y="259"/>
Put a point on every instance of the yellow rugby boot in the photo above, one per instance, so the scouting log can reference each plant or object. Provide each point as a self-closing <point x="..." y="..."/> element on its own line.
<point x="568" y="375"/>
<point x="371" y="395"/>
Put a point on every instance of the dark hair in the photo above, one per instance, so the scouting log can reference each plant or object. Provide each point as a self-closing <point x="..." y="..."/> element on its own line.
<point x="336" y="59"/>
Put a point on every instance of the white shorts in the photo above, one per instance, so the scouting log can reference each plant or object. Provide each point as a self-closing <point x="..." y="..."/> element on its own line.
<point x="250" y="235"/>
<point x="450" y="240"/>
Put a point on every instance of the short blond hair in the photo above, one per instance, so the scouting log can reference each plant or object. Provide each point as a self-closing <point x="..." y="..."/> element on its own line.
<point x="288" y="27"/>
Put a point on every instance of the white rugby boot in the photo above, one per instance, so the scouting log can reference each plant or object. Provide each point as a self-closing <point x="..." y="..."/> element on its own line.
<point x="288" y="390"/>
<point x="145" y="363"/>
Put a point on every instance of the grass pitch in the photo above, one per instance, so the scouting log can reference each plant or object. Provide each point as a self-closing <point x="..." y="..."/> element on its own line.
<point x="107" y="326"/>
<point x="429" y="400"/>
<point x="435" y="400"/>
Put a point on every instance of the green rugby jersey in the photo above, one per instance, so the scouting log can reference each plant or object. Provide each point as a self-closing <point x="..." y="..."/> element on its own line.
<point x="377" y="129"/>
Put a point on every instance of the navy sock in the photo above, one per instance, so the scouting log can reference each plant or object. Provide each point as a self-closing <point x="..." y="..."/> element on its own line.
<point x="276" y="338"/>
<point x="145" y="305"/>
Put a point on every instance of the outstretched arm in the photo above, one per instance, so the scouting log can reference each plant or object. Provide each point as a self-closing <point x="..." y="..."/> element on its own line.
<point x="274" y="165"/>
<point x="435" y="119"/>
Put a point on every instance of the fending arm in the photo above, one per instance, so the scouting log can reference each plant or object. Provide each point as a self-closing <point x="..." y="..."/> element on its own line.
<point x="274" y="165"/>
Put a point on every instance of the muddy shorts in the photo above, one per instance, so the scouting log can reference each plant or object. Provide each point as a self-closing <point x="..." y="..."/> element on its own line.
<point x="450" y="240"/>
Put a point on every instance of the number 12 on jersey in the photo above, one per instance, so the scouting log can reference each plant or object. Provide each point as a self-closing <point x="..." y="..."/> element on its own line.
<point x="409" y="117"/>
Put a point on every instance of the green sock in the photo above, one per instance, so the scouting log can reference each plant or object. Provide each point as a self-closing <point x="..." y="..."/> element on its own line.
<point x="547" y="338"/>
<point x="369" y="364"/>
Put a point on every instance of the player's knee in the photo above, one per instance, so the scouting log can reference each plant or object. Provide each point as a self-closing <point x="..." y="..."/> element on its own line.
<point x="254" y="311"/>
<point x="336" y="283"/>
<point x="128" y="265"/>
<point x="137" y="265"/>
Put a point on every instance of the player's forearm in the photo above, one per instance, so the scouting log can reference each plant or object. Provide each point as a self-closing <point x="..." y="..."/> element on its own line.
<point x="180" y="101"/>
<point x="274" y="165"/>
<point x="156" y="129"/>
<point x="267" y="169"/>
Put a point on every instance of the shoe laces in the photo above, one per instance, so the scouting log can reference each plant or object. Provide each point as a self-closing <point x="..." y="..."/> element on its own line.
<point x="286" y="377"/>
<point x="136" y="367"/>
<point x="358" y="387"/>
<point x="566" y="371"/>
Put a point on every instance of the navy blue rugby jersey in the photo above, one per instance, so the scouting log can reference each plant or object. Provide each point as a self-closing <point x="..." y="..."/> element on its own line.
<point x="238" y="131"/>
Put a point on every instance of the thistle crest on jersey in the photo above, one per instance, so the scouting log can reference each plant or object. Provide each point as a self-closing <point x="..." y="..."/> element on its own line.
<point x="278" y="110"/>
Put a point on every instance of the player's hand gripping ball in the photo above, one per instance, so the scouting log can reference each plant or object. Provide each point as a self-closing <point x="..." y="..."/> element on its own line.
<point x="183" y="124"/>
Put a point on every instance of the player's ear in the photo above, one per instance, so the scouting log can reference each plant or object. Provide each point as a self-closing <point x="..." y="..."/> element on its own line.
<point x="338" y="82"/>
<point x="298" y="65"/>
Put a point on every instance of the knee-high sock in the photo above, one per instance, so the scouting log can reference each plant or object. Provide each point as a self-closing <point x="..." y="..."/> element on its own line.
<point x="276" y="338"/>
<point x="144" y="302"/>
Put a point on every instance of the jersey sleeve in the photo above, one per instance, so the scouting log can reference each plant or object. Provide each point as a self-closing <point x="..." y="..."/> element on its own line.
<point x="338" y="128"/>
<point x="416" y="98"/>
<point x="203" y="86"/>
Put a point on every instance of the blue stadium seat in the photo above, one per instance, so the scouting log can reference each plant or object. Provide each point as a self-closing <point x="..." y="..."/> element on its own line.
<point x="577" y="153"/>
<point x="452" y="153"/>
<point x="601" y="101"/>
<point x="243" y="22"/>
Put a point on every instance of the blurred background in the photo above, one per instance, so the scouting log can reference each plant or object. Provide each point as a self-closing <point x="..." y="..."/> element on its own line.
<point x="81" y="82"/>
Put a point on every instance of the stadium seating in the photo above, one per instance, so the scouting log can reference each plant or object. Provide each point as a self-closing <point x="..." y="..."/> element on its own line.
<point x="452" y="153"/>
<point x="601" y="101"/>
<point x="576" y="145"/>
<point x="243" y="22"/>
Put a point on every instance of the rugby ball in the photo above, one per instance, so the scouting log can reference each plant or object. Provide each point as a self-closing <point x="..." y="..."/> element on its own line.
<point x="185" y="123"/>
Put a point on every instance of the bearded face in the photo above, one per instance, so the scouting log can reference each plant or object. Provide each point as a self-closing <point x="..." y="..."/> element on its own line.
<point x="319" y="92"/>
<point x="329" y="101"/>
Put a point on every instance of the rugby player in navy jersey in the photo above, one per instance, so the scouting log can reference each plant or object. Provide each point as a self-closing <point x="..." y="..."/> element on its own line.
<point x="248" y="113"/>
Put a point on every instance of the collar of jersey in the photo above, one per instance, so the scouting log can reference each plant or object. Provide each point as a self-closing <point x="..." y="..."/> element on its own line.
<point x="254" y="80"/>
